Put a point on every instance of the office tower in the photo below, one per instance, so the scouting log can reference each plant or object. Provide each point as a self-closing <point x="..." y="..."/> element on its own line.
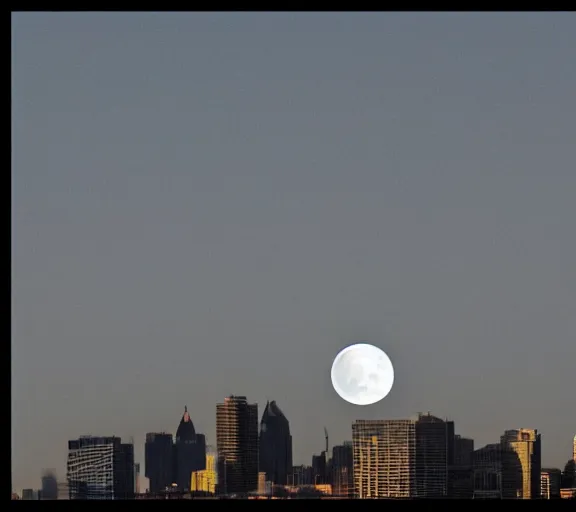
<point x="237" y="445"/>
<point x="206" y="480"/>
<point x="525" y="461"/>
<point x="342" y="470"/>
<point x="401" y="458"/>
<point x="189" y="452"/>
<point x="159" y="461"/>
<point x="488" y="472"/>
<point x="49" y="486"/>
<point x="550" y="483"/>
<point x="100" y="468"/>
<point x="460" y="470"/>
<point x="275" y="445"/>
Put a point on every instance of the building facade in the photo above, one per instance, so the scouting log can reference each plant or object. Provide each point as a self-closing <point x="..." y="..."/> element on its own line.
<point x="100" y="468"/>
<point x="524" y="461"/>
<point x="206" y="480"/>
<point x="550" y="483"/>
<point x="189" y="452"/>
<point x="401" y="458"/>
<point x="237" y="445"/>
<point x="159" y="465"/>
<point x="342" y="470"/>
<point x="275" y="445"/>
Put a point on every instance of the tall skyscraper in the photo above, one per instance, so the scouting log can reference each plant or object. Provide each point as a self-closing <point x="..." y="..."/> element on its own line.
<point x="525" y="461"/>
<point x="574" y="449"/>
<point x="159" y="461"/>
<point x="189" y="452"/>
<point x="401" y="458"/>
<point x="275" y="445"/>
<point x="342" y="470"/>
<point x="237" y="445"/>
<point x="100" y="468"/>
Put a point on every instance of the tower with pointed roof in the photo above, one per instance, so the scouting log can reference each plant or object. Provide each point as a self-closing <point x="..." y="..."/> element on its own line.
<point x="275" y="445"/>
<point x="189" y="452"/>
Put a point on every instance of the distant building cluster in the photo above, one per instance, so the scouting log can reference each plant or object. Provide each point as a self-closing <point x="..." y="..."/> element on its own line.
<point x="420" y="457"/>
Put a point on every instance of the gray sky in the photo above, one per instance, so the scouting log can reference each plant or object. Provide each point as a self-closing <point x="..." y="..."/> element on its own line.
<point x="207" y="204"/>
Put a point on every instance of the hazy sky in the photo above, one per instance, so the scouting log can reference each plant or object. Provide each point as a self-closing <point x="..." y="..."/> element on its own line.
<point x="208" y="204"/>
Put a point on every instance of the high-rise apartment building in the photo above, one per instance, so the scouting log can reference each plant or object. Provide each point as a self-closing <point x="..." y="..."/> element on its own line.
<point x="189" y="452"/>
<point x="342" y="470"/>
<point x="401" y="458"/>
<point x="237" y="445"/>
<point x="524" y="461"/>
<point x="159" y="465"/>
<point x="550" y="483"/>
<point x="275" y="445"/>
<point x="100" y="468"/>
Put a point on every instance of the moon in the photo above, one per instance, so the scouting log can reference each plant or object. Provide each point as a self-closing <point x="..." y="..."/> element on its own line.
<point x="362" y="374"/>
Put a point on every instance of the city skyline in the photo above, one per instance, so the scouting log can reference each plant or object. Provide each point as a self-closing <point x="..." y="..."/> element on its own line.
<point x="216" y="203"/>
<point x="173" y="436"/>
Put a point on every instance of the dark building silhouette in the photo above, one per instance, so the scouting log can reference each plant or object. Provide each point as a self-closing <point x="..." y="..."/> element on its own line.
<point x="100" y="468"/>
<point x="550" y="483"/>
<point x="159" y="461"/>
<point x="237" y="445"/>
<point x="342" y="470"/>
<point x="319" y="469"/>
<point x="189" y="452"/>
<point x="275" y="445"/>
<point x="488" y="472"/>
<point x="49" y="486"/>
<point x="460" y="470"/>
<point x="434" y="449"/>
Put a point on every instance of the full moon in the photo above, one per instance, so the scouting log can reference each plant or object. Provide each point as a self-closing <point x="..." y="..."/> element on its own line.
<point x="362" y="374"/>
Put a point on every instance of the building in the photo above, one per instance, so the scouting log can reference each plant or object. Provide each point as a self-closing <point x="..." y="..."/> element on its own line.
<point x="342" y="470"/>
<point x="300" y="476"/>
<point x="574" y="449"/>
<point x="29" y="494"/>
<point x="206" y="480"/>
<point x="189" y="452"/>
<point x="100" y="468"/>
<point x="63" y="491"/>
<point x="488" y="472"/>
<point x="525" y="461"/>
<point x="275" y="445"/>
<point x="237" y="445"/>
<point x="460" y="470"/>
<point x="550" y="483"/>
<point x="159" y="461"/>
<point x="401" y="458"/>
<point x="319" y="469"/>
<point x="49" y="486"/>
<point x="137" y="478"/>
